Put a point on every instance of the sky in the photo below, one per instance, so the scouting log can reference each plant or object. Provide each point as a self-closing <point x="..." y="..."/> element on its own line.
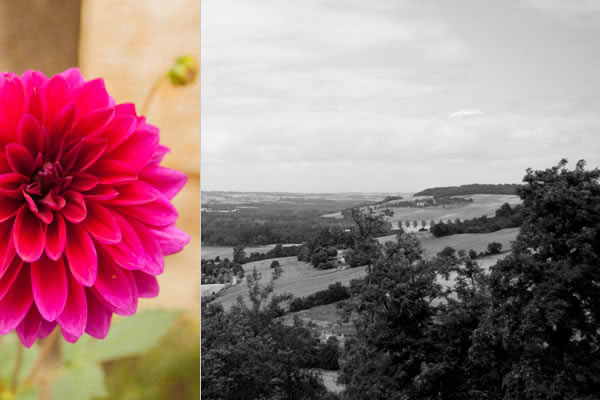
<point x="395" y="96"/>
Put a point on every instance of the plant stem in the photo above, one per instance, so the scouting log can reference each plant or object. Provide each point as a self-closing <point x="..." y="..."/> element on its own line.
<point x="152" y="93"/>
<point x="14" y="381"/>
<point x="45" y="352"/>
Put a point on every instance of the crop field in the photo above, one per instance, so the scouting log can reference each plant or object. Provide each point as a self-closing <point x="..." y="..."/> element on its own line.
<point x="298" y="278"/>
<point x="463" y="241"/>
<point x="483" y="204"/>
<point x="301" y="279"/>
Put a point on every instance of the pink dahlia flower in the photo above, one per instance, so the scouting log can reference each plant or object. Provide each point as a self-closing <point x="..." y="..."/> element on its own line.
<point x="85" y="211"/>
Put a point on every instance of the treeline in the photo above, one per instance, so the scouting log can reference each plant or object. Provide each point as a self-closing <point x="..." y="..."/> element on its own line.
<point x="276" y="252"/>
<point x="219" y="271"/>
<point x="269" y="223"/>
<point x="476" y="188"/>
<point x="334" y="293"/>
<point x="506" y="217"/>
<point x="321" y="249"/>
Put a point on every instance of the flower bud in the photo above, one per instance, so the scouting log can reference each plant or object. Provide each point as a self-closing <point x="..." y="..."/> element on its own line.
<point x="184" y="71"/>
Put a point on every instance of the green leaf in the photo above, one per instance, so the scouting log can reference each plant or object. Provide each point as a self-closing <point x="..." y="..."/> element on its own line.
<point x="79" y="382"/>
<point x="128" y="336"/>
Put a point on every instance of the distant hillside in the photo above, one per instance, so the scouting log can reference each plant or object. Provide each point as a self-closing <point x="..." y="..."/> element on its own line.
<point x="463" y="190"/>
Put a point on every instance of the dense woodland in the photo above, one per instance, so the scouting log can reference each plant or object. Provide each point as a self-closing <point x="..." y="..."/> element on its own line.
<point x="465" y="190"/>
<point x="528" y="330"/>
<point x="275" y="222"/>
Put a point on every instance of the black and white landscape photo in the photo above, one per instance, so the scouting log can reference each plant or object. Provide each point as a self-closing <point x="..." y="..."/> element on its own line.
<point x="400" y="199"/>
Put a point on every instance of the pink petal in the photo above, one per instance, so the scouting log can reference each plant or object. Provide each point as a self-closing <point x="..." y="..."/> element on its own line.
<point x="29" y="235"/>
<point x="12" y="99"/>
<point x="74" y="317"/>
<point x="82" y="181"/>
<point x="46" y="328"/>
<point x="112" y="284"/>
<point x="91" y="151"/>
<point x="99" y="317"/>
<point x="35" y="105"/>
<point x="91" y="96"/>
<point x="62" y="124"/>
<point x="15" y="304"/>
<point x="147" y="284"/>
<point x="136" y="151"/>
<point x="101" y="193"/>
<point x="125" y="108"/>
<point x="91" y="123"/>
<point x="29" y="329"/>
<point x="171" y="239"/>
<point x="7" y="246"/>
<point x="81" y="255"/>
<point x="111" y="172"/>
<point x="128" y="253"/>
<point x="102" y="224"/>
<point x="19" y="159"/>
<point x="168" y="181"/>
<point x="73" y="77"/>
<point x="68" y="337"/>
<point x="154" y="261"/>
<point x="159" y="154"/>
<point x="33" y="79"/>
<point x="159" y="213"/>
<point x="56" y="237"/>
<point x="57" y="95"/>
<point x="9" y="207"/>
<point x="75" y="210"/>
<point x="135" y="192"/>
<point x="117" y="131"/>
<point x="30" y="134"/>
<point x="49" y="284"/>
<point x="9" y="275"/>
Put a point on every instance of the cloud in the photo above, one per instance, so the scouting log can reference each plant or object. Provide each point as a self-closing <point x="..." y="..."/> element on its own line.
<point x="581" y="13"/>
<point x="465" y="113"/>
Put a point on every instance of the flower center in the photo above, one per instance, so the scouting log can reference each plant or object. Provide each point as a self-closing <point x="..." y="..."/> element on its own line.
<point x="48" y="177"/>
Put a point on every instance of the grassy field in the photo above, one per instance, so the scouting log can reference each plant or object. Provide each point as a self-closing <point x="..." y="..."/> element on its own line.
<point x="301" y="279"/>
<point x="483" y="204"/>
<point x="463" y="241"/>
<point x="298" y="278"/>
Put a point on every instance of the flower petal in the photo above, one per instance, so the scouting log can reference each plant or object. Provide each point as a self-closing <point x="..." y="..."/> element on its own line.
<point x="12" y="99"/>
<point x="91" y="96"/>
<point x="102" y="224"/>
<point x="73" y="77"/>
<point x="171" y="239"/>
<point x="160" y="212"/>
<point x="98" y="322"/>
<point x="75" y="210"/>
<point x="30" y="134"/>
<point x="154" y="260"/>
<point x="15" y="304"/>
<point x="81" y="255"/>
<point x="135" y="192"/>
<point x="29" y="235"/>
<point x="19" y="159"/>
<point x="82" y="181"/>
<point x="49" y="284"/>
<point x="56" y="237"/>
<point x="147" y="284"/>
<point x="9" y="207"/>
<point x="10" y="274"/>
<point x="129" y="251"/>
<point x="74" y="317"/>
<point x="29" y="329"/>
<point x="168" y="181"/>
<point x="112" y="284"/>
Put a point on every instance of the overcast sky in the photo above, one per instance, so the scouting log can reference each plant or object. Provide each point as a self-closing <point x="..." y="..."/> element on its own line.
<point x="395" y="96"/>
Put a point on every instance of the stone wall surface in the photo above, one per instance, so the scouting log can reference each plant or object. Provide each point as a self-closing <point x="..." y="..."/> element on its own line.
<point x="131" y="43"/>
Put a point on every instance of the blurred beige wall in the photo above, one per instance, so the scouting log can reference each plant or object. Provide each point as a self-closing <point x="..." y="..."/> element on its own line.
<point x="38" y="34"/>
<point x="130" y="43"/>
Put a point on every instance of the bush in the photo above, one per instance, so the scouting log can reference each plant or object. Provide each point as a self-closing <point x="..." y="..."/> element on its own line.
<point x="334" y="292"/>
<point x="494" y="248"/>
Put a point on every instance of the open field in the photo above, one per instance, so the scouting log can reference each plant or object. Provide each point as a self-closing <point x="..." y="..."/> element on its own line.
<point x="463" y="241"/>
<point x="298" y="278"/>
<point x="483" y="204"/>
<point x="301" y="279"/>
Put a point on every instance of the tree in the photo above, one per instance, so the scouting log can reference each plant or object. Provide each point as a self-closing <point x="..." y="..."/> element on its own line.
<point x="494" y="248"/>
<point x="275" y="264"/>
<point x="423" y="223"/>
<point x="407" y="223"/>
<point x="248" y="353"/>
<point x="431" y="224"/>
<point x="415" y="224"/>
<point x="541" y="338"/>
<point x="239" y="254"/>
<point x="367" y="226"/>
